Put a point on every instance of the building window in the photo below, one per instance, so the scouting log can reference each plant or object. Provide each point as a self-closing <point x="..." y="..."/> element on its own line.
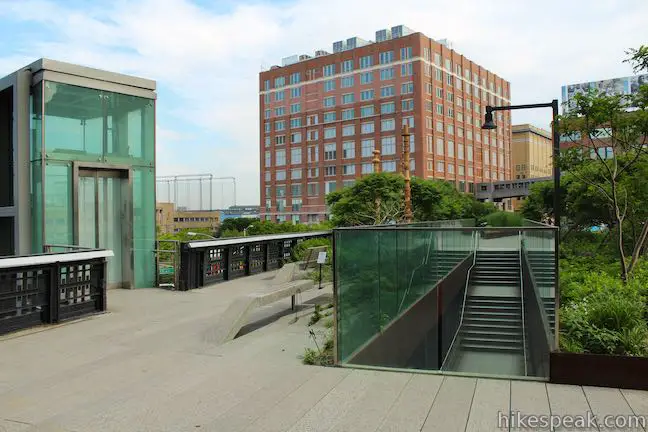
<point x="347" y="66"/>
<point x="266" y="85"/>
<point x="451" y="149"/>
<point x="329" y="85"/>
<point x="280" y="139"/>
<point x="313" y="189"/>
<point x="387" y="125"/>
<point x="366" y="95"/>
<point x="366" y="128"/>
<point x="329" y="152"/>
<point x="486" y="157"/>
<point x="328" y="70"/>
<point x="408" y="121"/>
<point x="280" y="175"/>
<point x="366" y="78"/>
<point x="366" y="61"/>
<point x="438" y="74"/>
<point x="330" y="170"/>
<point x="470" y="172"/>
<point x="295" y="92"/>
<point x="313" y="172"/>
<point x="367" y="111"/>
<point x="329" y="133"/>
<point x="279" y="111"/>
<point x="268" y="159"/>
<point x="462" y="171"/>
<point x="347" y="98"/>
<point x="267" y="176"/>
<point x="407" y="69"/>
<point x="388" y="108"/>
<point x="348" y="183"/>
<point x="348" y="150"/>
<point x="386" y="74"/>
<point x="311" y="120"/>
<point x="389" y="166"/>
<point x="366" y="147"/>
<point x="469" y="151"/>
<point x="295" y="190"/>
<point x="440" y="166"/>
<point x="439" y="146"/>
<point x="388" y="146"/>
<point x="430" y="143"/>
<point x="279" y="82"/>
<point x="428" y="106"/>
<point x="451" y="129"/>
<point x="387" y="91"/>
<point x="267" y="141"/>
<point x="346" y="82"/>
<point x="295" y="122"/>
<point x="449" y="79"/>
<point x="295" y="156"/>
<point x="266" y="127"/>
<point x="460" y="132"/>
<point x="407" y="88"/>
<point x="296" y="137"/>
<point x="296" y="174"/>
<point x="407" y="105"/>
<point x="405" y="53"/>
<point x="296" y="206"/>
<point x="280" y="157"/>
<point x="329" y="117"/>
<point x="313" y="154"/>
<point x="348" y="114"/>
<point x="451" y="168"/>
<point x="348" y="169"/>
<point x="279" y="96"/>
<point x="450" y="112"/>
<point x="329" y="102"/>
<point x="366" y="168"/>
<point x="386" y="57"/>
<point x="267" y="114"/>
<point x="330" y="186"/>
<point x="295" y="108"/>
<point x="460" y="151"/>
<point x="348" y="130"/>
<point x="295" y="78"/>
<point x="428" y="122"/>
<point x="313" y="135"/>
<point x="439" y="109"/>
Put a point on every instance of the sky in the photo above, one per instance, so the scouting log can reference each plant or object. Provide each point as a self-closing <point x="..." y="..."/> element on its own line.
<point x="206" y="55"/>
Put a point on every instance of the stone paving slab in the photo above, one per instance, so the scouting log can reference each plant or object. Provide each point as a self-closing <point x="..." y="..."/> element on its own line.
<point x="148" y="366"/>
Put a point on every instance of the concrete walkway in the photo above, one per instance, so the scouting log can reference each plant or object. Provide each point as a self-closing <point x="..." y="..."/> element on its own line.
<point x="147" y="366"/>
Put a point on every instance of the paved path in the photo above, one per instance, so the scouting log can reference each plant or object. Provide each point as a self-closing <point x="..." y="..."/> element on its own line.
<point x="147" y="366"/>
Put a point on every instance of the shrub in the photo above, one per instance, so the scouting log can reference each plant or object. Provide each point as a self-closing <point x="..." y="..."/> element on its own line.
<point x="610" y="321"/>
<point x="299" y="251"/>
<point x="504" y="219"/>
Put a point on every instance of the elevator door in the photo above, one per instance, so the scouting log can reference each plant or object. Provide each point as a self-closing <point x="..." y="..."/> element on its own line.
<point x="102" y="219"/>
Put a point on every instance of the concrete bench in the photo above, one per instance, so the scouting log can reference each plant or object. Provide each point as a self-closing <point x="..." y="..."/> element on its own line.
<point x="237" y="314"/>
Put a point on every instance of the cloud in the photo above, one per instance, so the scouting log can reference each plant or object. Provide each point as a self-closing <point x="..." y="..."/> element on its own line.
<point x="207" y="60"/>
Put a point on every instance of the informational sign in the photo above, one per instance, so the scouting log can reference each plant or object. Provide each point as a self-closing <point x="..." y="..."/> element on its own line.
<point x="321" y="258"/>
<point x="167" y="270"/>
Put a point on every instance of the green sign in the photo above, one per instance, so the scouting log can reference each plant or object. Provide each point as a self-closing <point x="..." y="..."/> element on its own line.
<point x="167" y="270"/>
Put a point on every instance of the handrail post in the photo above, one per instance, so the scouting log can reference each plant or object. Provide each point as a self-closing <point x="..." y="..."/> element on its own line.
<point x="524" y="347"/>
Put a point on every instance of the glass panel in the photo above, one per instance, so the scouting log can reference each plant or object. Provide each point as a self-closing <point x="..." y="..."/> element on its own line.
<point x="59" y="217"/>
<point x="36" y="121"/>
<point x="37" y="206"/>
<point x="94" y="125"/>
<point x="110" y="224"/>
<point x="87" y="212"/>
<point x="144" y="227"/>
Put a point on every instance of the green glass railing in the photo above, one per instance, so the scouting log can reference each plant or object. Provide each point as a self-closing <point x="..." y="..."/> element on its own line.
<point x="382" y="271"/>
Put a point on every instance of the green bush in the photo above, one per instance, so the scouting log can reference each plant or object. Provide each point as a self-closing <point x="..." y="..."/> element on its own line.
<point x="609" y="321"/>
<point x="504" y="219"/>
<point x="299" y="251"/>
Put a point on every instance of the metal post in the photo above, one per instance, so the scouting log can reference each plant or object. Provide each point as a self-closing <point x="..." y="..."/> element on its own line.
<point x="556" y="213"/>
<point x="376" y="169"/>
<point x="406" y="174"/>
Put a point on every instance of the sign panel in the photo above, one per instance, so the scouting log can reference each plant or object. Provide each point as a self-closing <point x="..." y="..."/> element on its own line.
<point x="321" y="258"/>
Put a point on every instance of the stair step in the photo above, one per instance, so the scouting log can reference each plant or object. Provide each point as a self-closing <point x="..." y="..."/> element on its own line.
<point x="513" y="315"/>
<point x="495" y="334"/>
<point x="487" y="322"/>
<point x="496" y="282"/>
<point x="494" y="308"/>
<point x="490" y="326"/>
<point x="478" y="346"/>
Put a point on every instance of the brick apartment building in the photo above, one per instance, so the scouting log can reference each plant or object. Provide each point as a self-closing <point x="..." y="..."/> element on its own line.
<point x="321" y="118"/>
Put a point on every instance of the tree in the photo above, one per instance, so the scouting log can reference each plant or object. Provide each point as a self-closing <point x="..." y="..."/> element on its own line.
<point x="609" y="135"/>
<point x="237" y="224"/>
<point x="374" y="199"/>
<point x="378" y="199"/>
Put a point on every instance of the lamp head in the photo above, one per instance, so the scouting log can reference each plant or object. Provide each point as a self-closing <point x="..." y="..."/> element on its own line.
<point x="488" y="121"/>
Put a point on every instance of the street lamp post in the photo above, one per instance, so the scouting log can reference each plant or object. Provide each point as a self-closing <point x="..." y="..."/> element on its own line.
<point x="490" y="124"/>
<point x="406" y="174"/>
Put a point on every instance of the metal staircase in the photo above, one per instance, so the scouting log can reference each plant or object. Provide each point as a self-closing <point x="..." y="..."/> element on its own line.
<point x="543" y="267"/>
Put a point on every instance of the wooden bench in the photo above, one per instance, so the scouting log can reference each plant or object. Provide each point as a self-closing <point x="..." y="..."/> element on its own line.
<point x="236" y="315"/>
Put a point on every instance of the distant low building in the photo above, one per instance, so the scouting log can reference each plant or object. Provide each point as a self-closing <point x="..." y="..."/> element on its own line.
<point x="240" y="211"/>
<point x="172" y="220"/>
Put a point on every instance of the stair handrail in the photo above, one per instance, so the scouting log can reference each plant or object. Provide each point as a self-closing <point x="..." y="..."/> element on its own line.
<point x="524" y="346"/>
<point x="476" y="236"/>
<point x="425" y="261"/>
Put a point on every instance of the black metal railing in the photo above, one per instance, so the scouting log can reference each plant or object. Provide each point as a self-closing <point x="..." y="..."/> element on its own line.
<point x="49" y="288"/>
<point x="205" y="262"/>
